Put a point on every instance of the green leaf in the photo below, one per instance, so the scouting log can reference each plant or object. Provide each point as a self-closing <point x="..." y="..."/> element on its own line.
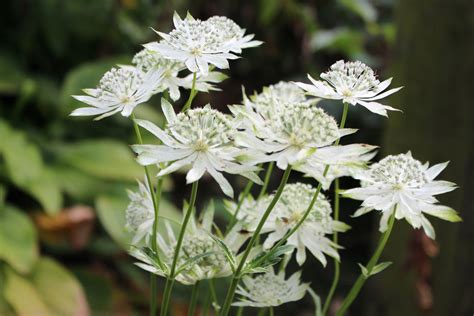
<point x="47" y="191"/>
<point x="380" y="267"/>
<point x="228" y="253"/>
<point x="59" y="289"/>
<point x="11" y="77"/>
<point x="105" y="159"/>
<point x="364" y="270"/>
<point x="269" y="258"/>
<point x="19" y="290"/>
<point x="191" y="261"/>
<point x="18" y="240"/>
<point x="50" y="290"/>
<point x="3" y="194"/>
<point x="362" y="8"/>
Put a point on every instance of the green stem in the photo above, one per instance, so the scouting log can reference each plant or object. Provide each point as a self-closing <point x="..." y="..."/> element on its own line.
<point x="215" y="301"/>
<point x="156" y="207"/>
<point x="372" y="262"/>
<point x="240" y="311"/>
<point x="170" y="281"/>
<point x="335" y="240"/>
<point x="194" y="297"/>
<point x="236" y="278"/>
<point x="262" y="311"/>
<point x="192" y="94"/>
<point x="311" y="204"/>
<point x="270" y="309"/>
<point x="267" y="179"/>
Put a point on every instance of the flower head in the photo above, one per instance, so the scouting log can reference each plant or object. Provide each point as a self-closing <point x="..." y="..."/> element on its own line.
<point x="294" y="202"/>
<point x="353" y="83"/>
<point x="140" y="213"/>
<point x="290" y="134"/>
<point x="270" y="289"/>
<point x="201" y="138"/>
<point x="403" y="184"/>
<point x="199" y="43"/>
<point x="201" y="257"/>
<point x="119" y="90"/>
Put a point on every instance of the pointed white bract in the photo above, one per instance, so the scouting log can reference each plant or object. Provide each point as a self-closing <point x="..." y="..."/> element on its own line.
<point x="199" y="44"/>
<point x="343" y="160"/>
<point x="140" y="214"/>
<point x="353" y="83"/>
<point x="270" y="289"/>
<point x="201" y="139"/>
<point x="119" y="90"/>
<point x="403" y="183"/>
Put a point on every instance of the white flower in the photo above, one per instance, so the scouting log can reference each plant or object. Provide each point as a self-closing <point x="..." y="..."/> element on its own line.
<point x="353" y="83"/>
<point x="288" y="135"/>
<point x="201" y="138"/>
<point x="294" y="202"/>
<point x="200" y="43"/>
<point x="148" y="60"/>
<point x="140" y="214"/>
<point x="270" y="289"/>
<point x="400" y="182"/>
<point x="119" y="90"/>
<point x="344" y="160"/>
<point x="201" y="257"/>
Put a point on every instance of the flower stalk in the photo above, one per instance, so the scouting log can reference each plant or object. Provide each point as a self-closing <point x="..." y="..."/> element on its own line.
<point x="171" y="277"/>
<point x="237" y="274"/>
<point x="370" y="266"/>
<point x="192" y="94"/>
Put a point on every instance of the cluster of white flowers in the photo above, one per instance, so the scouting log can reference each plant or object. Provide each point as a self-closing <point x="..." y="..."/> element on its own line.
<point x="284" y="125"/>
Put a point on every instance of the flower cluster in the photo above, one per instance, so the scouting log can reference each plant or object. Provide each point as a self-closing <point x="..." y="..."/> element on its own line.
<point x="282" y="125"/>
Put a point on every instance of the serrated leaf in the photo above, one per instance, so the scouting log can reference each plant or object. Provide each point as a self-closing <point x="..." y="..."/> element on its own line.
<point x="380" y="267"/>
<point x="18" y="240"/>
<point x="191" y="261"/>
<point x="228" y="253"/>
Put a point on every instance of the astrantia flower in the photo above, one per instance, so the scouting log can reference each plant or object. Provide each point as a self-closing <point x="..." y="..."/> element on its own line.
<point x="148" y="60"/>
<point x="294" y="202"/>
<point x="199" y="43"/>
<point x="290" y="134"/>
<point x="119" y="90"/>
<point x="270" y="289"/>
<point x="353" y="83"/>
<point x="201" y="257"/>
<point x="403" y="183"/>
<point x="140" y="214"/>
<point x="200" y="138"/>
<point x="349" y="160"/>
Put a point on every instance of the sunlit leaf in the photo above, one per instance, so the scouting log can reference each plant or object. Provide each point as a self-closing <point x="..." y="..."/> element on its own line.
<point x="18" y="240"/>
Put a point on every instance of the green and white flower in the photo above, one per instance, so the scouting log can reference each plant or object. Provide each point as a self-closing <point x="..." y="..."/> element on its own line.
<point x="288" y="135"/>
<point x="201" y="257"/>
<point x="353" y="83"/>
<point x="403" y="183"/>
<point x="140" y="214"/>
<point x="348" y="160"/>
<point x="199" y="43"/>
<point x="200" y="138"/>
<point x="294" y="202"/>
<point x="270" y="289"/>
<point x="119" y="90"/>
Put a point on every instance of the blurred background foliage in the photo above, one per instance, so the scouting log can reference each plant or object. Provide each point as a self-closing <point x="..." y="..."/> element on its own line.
<point x="63" y="181"/>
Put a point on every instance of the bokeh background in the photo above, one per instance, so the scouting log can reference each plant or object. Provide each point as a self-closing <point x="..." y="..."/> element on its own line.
<point x="63" y="180"/>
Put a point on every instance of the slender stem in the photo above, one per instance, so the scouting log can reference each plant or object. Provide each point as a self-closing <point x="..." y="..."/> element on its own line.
<point x="270" y="309"/>
<point x="242" y="198"/>
<point x="262" y="311"/>
<point x="313" y="200"/>
<point x="155" y="197"/>
<point x="335" y="240"/>
<point x="194" y="297"/>
<point x="215" y="301"/>
<point x="240" y="311"/>
<point x="192" y="94"/>
<point x="236" y="278"/>
<point x="170" y="280"/>
<point x="267" y="179"/>
<point x="372" y="262"/>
